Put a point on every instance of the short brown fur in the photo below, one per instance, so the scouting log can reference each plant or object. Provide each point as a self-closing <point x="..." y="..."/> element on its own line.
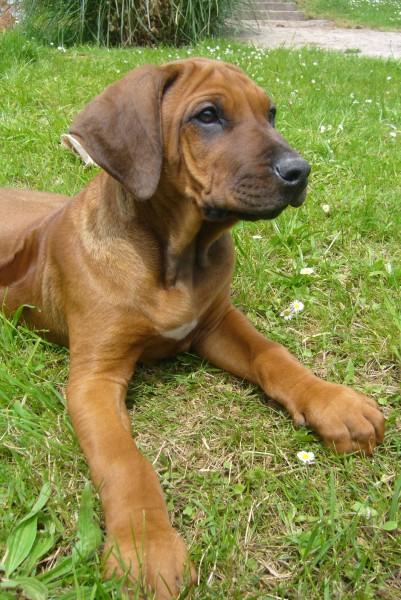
<point x="145" y="250"/>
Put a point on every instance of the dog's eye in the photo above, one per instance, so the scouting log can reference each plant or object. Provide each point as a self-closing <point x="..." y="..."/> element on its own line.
<point x="208" y="115"/>
<point x="271" y="117"/>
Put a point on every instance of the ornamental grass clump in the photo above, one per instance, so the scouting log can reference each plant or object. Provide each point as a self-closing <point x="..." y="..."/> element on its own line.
<point x="125" y="22"/>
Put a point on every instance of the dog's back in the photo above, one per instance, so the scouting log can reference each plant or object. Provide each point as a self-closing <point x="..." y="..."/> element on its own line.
<point x="23" y="216"/>
<point x="20" y="210"/>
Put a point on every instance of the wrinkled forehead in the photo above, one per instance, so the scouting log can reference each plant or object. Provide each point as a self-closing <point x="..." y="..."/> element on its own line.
<point x="223" y="83"/>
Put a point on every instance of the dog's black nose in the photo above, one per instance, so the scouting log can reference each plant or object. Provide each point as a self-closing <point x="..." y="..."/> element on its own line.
<point x="293" y="170"/>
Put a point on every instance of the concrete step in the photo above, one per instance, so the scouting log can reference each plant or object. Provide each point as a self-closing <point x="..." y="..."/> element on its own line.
<point x="258" y="27"/>
<point x="290" y="15"/>
<point x="263" y="5"/>
<point x="275" y="15"/>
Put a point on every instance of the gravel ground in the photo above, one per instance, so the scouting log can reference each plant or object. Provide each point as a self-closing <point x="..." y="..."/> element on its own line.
<point x="322" y="34"/>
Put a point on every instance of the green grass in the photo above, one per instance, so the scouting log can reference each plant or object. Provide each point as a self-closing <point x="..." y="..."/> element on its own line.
<point x="380" y="14"/>
<point x="259" y="523"/>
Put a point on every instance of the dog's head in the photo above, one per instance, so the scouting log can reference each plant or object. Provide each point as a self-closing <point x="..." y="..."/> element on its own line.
<point x="200" y="127"/>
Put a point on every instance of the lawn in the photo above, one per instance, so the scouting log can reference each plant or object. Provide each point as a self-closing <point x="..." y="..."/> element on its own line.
<point x="260" y="524"/>
<point x="379" y="14"/>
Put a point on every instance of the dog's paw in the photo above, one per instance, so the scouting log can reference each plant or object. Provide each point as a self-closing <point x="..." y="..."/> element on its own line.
<point x="156" y="563"/>
<point x="345" y="420"/>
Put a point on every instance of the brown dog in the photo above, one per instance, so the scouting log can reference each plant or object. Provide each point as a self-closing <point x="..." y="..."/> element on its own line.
<point x="138" y="266"/>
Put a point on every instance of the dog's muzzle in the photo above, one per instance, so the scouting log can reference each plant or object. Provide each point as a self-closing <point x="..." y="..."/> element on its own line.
<point x="290" y="173"/>
<point x="293" y="172"/>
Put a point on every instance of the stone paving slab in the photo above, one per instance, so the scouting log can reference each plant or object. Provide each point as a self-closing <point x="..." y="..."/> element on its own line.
<point x="368" y="42"/>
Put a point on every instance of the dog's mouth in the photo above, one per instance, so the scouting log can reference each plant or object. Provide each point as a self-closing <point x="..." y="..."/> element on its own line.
<point x="211" y="213"/>
<point x="214" y="213"/>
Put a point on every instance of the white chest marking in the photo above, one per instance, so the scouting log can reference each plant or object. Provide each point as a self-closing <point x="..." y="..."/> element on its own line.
<point x="179" y="333"/>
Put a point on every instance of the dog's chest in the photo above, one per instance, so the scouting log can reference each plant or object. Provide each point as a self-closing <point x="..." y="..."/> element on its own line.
<point x="177" y="312"/>
<point x="173" y="324"/>
<point x="180" y="332"/>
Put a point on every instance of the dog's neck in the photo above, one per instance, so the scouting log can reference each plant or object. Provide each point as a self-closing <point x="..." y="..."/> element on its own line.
<point x="184" y="236"/>
<point x="175" y="222"/>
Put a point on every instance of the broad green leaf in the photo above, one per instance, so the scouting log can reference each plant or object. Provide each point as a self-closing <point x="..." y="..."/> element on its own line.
<point x="32" y="588"/>
<point x="19" y="544"/>
<point x="43" y="543"/>
<point x="44" y="495"/>
<point x="390" y="525"/>
<point x="21" y="540"/>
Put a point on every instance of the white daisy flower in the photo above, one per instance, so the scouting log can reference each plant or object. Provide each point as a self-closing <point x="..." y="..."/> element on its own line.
<point x="296" y="306"/>
<point x="306" y="271"/>
<point x="307" y="458"/>
<point x="286" y="314"/>
<point x="325" y="208"/>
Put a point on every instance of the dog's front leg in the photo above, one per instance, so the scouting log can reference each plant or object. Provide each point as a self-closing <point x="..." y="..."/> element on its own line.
<point x="140" y="540"/>
<point x="343" y="418"/>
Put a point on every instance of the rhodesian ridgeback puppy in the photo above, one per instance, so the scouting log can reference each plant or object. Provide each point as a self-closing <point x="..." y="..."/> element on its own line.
<point x="138" y="266"/>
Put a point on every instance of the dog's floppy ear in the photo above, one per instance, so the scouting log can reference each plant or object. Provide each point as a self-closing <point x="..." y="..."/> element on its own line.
<point x="121" y="128"/>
